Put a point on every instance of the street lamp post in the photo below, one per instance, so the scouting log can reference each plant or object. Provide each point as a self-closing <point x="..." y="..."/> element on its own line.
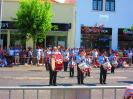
<point x="1" y="6"/>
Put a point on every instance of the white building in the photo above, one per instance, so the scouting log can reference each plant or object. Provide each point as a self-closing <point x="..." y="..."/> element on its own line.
<point x="115" y="14"/>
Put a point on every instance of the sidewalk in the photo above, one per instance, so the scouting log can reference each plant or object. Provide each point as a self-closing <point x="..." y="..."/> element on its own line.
<point x="29" y="67"/>
<point x="23" y="68"/>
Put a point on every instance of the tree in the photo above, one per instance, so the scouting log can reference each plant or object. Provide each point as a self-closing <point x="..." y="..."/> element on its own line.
<point x="34" y="19"/>
<point x="132" y="28"/>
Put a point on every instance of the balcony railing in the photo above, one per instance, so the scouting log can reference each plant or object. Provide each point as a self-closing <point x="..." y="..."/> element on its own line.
<point x="62" y="92"/>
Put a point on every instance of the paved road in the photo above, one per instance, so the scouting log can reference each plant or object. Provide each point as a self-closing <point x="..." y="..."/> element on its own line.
<point x="33" y="75"/>
<point x="38" y="76"/>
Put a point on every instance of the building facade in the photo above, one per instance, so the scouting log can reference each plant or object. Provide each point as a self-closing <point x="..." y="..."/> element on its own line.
<point x="63" y="16"/>
<point x="111" y="14"/>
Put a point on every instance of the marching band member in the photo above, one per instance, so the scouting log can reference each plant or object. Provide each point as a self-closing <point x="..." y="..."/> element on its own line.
<point x="66" y="59"/>
<point x="48" y="54"/>
<point x="56" y="65"/>
<point x="80" y="74"/>
<point x="88" y="62"/>
<point x="71" y="65"/>
<point x="103" y="72"/>
<point x="113" y="60"/>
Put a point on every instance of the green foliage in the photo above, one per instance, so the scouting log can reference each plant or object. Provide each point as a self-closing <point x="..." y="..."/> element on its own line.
<point x="55" y="27"/>
<point x="132" y="27"/>
<point x="34" y="18"/>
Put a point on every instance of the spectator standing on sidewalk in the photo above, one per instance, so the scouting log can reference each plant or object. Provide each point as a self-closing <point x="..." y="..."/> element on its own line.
<point x="130" y="55"/>
<point x="11" y="56"/>
<point x="17" y="55"/>
<point x="30" y="55"/>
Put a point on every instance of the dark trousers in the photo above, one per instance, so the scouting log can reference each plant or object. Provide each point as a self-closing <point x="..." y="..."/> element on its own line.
<point x="71" y="72"/>
<point x="103" y="74"/>
<point x="47" y="65"/>
<point x="53" y="76"/>
<point x="30" y="60"/>
<point x="80" y="76"/>
<point x="132" y="59"/>
<point x="10" y="60"/>
<point x="87" y="73"/>
<point x="65" y="66"/>
<point x="112" y="69"/>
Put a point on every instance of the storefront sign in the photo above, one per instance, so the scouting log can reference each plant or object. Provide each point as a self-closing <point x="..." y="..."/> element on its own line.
<point x="60" y="26"/>
<point x="128" y="32"/>
<point x="8" y="25"/>
<point x="125" y="31"/>
<point x="95" y="30"/>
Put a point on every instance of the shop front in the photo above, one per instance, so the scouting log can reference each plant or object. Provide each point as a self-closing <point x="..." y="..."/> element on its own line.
<point x="96" y="37"/>
<point x="58" y="36"/>
<point x="56" y="40"/>
<point x="11" y="36"/>
<point x="125" y="38"/>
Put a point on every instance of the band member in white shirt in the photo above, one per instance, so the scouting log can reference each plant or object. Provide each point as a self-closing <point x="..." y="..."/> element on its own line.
<point x="56" y="65"/>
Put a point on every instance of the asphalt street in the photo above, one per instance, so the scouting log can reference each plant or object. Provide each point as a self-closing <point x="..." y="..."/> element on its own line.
<point x="33" y="75"/>
<point x="28" y="76"/>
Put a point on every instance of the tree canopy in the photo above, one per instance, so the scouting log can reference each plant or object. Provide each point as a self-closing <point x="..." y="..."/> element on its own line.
<point x="34" y="18"/>
<point x="132" y="27"/>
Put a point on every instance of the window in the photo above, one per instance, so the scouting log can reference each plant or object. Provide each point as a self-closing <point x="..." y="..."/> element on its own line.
<point x="98" y="5"/>
<point x="110" y="5"/>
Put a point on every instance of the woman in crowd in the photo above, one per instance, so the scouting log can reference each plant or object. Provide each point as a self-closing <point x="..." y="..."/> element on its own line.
<point x="30" y="55"/>
<point x="11" y="56"/>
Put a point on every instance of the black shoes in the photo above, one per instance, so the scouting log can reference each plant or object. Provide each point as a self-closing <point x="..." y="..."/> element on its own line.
<point x="80" y="83"/>
<point x="55" y="85"/>
<point x="52" y="84"/>
<point x="103" y="83"/>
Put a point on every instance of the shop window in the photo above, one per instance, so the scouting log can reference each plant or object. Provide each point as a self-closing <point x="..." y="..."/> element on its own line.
<point x="96" y="37"/>
<point x="4" y="39"/>
<point x="125" y="38"/>
<point x="17" y="38"/>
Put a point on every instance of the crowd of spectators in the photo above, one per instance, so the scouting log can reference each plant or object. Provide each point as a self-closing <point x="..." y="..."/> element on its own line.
<point x="16" y="55"/>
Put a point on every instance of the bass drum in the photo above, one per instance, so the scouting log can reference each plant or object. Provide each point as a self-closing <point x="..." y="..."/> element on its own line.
<point x="58" y="62"/>
<point x="58" y="66"/>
